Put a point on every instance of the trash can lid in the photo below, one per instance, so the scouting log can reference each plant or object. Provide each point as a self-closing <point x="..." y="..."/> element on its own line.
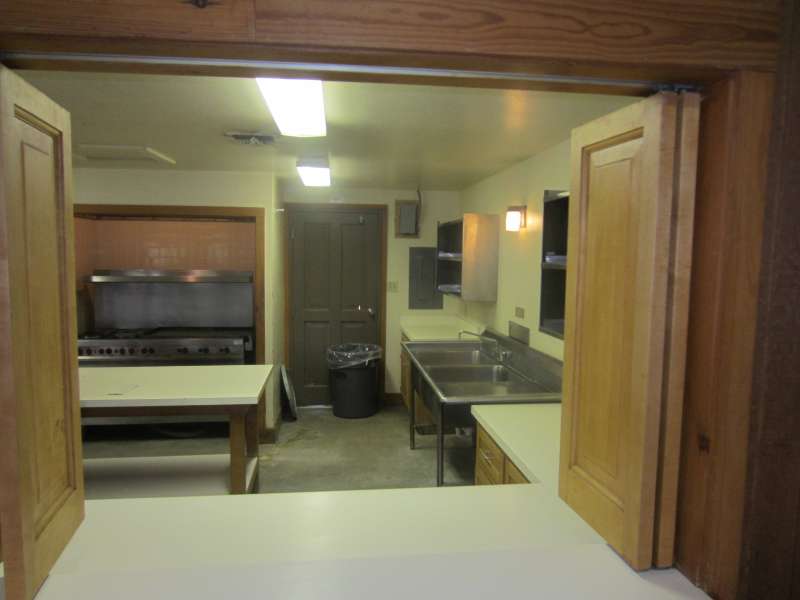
<point x="351" y="355"/>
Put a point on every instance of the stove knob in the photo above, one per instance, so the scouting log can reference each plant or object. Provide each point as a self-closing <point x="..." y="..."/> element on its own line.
<point x="203" y="350"/>
<point x="226" y="350"/>
<point x="152" y="351"/>
<point x="183" y="350"/>
<point x="88" y="351"/>
<point x="131" y="351"/>
<point x="122" y="351"/>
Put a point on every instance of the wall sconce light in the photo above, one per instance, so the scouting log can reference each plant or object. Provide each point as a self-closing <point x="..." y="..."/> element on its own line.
<point x="516" y="217"/>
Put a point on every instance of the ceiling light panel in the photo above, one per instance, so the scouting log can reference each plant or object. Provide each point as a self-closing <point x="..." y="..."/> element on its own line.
<point x="314" y="172"/>
<point x="296" y="105"/>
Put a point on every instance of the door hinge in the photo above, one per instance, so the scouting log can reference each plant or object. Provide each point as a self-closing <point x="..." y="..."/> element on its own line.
<point x="361" y="219"/>
<point x="703" y="443"/>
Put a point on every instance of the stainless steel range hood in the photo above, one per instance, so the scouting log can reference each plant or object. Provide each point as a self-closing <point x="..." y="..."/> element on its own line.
<point x="156" y="276"/>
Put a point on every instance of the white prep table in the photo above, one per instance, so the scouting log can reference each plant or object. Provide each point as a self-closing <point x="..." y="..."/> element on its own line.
<point x="508" y="542"/>
<point x="232" y="390"/>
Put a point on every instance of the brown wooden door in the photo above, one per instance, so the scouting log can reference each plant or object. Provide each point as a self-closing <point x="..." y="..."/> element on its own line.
<point x="630" y="229"/>
<point x="335" y="261"/>
<point x="41" y="479"/>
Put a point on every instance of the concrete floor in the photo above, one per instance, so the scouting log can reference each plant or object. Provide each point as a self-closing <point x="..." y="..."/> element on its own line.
<point x="318" y="452"/>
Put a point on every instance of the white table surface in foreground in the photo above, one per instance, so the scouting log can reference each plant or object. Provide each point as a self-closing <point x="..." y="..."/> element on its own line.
<point x="216" y="385"/>
<point x="514" y="541"/>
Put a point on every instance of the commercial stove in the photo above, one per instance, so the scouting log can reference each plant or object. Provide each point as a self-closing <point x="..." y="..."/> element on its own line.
<point x="151" y="347"/>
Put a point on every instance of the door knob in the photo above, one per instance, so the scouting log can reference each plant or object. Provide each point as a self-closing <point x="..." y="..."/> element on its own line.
<point x="370" y="312"/>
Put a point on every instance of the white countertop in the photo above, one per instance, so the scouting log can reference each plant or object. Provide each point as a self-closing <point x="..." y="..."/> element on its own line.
<point x="172" y="386"/>
<point x="462" y="542"/>
<point x="529" y="434"/>
<point x="419" y="328"/>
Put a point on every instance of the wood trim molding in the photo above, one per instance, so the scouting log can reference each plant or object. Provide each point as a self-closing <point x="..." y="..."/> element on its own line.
<point x="771" y="552"/>
<point x="393" y="399"/>
<point x="694" y="40"/>
<point x="731" y="194"/>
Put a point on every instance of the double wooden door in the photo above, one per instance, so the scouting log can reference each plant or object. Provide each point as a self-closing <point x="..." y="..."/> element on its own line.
<point x="335" y="261"/>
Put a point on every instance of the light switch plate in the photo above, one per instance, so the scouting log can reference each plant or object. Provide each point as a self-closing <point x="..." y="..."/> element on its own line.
<point x="392" y="287"/>
<point x="519" y="312"/>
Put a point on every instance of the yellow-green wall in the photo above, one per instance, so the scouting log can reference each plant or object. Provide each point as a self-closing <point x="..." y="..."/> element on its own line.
<point x="519" y="273"/>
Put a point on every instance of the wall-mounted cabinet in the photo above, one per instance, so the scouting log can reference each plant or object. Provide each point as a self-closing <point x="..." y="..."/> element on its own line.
<point x="467" y="251"/>
<point x="554" y="263"/>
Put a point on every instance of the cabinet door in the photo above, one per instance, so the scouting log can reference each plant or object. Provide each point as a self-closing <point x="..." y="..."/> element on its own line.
<point x="513" y="474"/>
<point x="41" y="479"/>
<point x="625" y="318"/>
<point x="489" y="458"/>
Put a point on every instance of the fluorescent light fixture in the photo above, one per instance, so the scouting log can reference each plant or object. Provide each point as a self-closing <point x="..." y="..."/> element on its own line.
<point x="515" y="218"/>
<point x="314" y="172"/>
<point x="296" y="105"/>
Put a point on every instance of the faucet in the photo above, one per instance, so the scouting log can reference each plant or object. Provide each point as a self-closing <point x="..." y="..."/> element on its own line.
<point x="503" y="355"/>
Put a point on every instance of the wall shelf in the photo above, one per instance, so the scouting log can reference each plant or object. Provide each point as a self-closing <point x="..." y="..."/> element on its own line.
<point x="467" y="251"/>
<point x="555" y="223"/>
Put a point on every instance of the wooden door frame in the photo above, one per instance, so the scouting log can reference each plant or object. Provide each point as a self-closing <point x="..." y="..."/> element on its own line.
<point x="721" y="59"/>
<point x="383" y="210"/>
<point x="185" y="211"/>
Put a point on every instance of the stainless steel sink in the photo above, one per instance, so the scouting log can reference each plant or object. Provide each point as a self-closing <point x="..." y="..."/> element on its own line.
<point x="449" y="377"/>
<point x="459" y="373"/>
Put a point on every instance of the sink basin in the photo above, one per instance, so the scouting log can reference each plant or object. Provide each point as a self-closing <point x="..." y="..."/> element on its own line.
<point x="482" y="381"/>
<point x="472" y="373"/>
<point x="448" y="353"/>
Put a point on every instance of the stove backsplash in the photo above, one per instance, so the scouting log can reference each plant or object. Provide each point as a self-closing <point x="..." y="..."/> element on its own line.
<point x="153" y="305"/>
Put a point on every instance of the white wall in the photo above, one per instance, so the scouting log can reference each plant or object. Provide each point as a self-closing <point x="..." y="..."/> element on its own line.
<point x="520" y="253"/>
<point x="438" y="206"/>
<point x="204" y="188"/>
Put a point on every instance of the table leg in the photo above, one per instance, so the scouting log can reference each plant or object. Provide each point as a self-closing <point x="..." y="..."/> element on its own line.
<point x="238" y="443"/>
<point x="412" y="423"/>
<point x="440" y="446"/>
<point x="253" y="433"/>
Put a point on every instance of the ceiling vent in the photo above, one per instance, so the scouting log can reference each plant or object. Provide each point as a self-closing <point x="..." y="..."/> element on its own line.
<point x="119" y="153"/>
<point x="248" y="138"/>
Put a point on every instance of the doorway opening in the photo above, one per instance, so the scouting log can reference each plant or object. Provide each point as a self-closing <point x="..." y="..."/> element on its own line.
<point x="336" y="267"/>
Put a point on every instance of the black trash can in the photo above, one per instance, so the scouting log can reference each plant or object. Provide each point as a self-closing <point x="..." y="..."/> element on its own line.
<point x="353" y="372"/>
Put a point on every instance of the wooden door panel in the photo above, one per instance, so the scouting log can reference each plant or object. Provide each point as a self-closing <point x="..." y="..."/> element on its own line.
<point x="42" y="481"/>
<point x="606" y="299"/>
<point x="355" y="333"/>
<point x="316" y="289"/>
<point x="221" y="20"/>
<point x="317" y="339"/>
<point x="621" y="303"/>
<point x="354" y="283"/>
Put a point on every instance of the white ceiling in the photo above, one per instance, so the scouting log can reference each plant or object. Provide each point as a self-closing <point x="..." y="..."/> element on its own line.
<point x="379" y="135"/>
